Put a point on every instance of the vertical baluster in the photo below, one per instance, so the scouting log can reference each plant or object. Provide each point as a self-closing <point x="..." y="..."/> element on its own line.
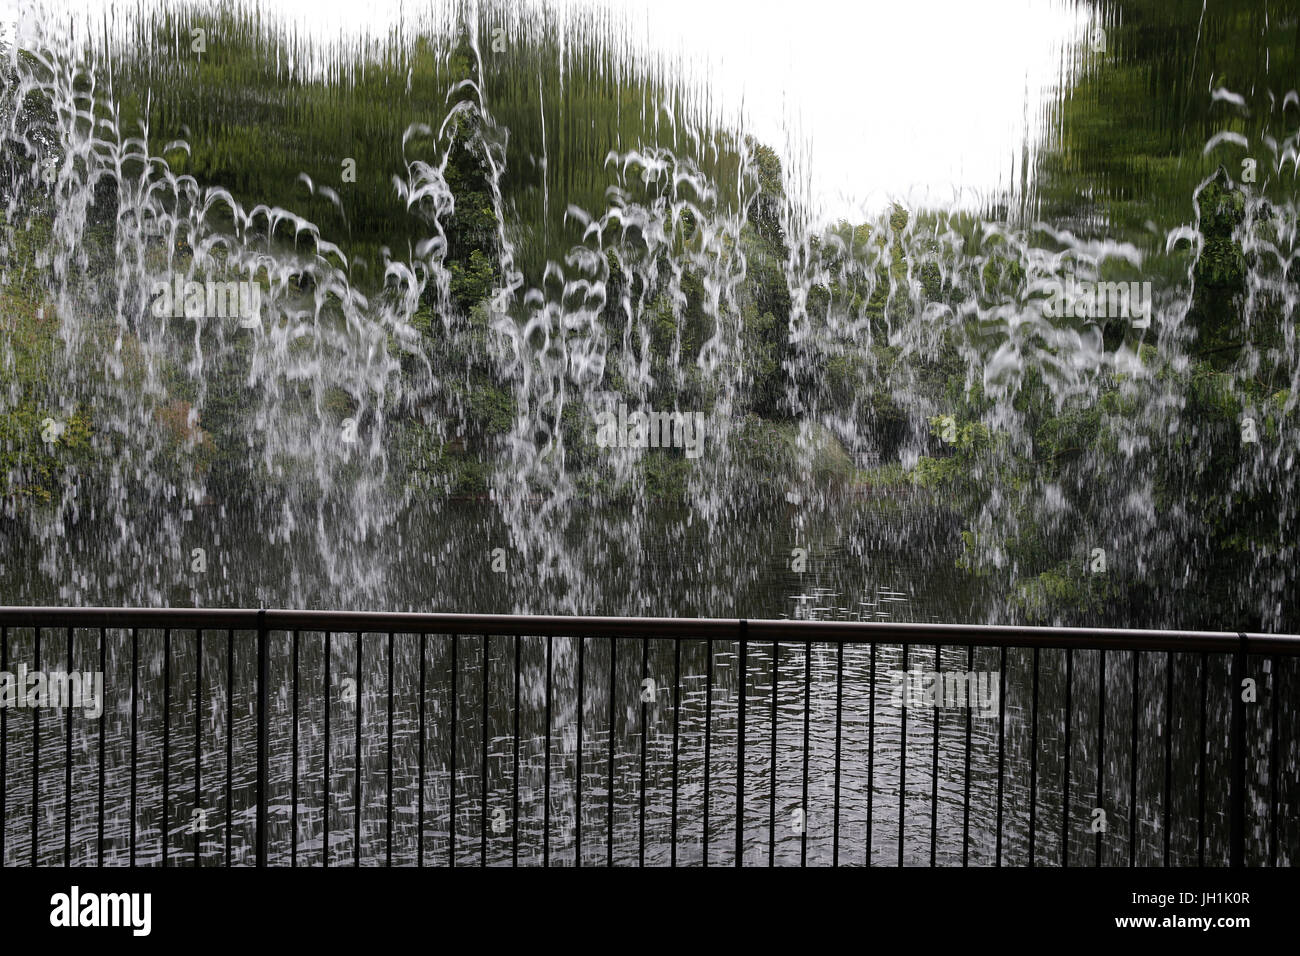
<point x="546" y="779"/>
<point x="807" y="716"/>
<point x="325" y="767"/>
<point x="741" y="689"/>
<point x="677" y="720"/>
<point x="1133" y="773"/>
<point x="1002" y="744"/>
<point x="4" y="752"/>
<point x="388" y="822"/>
<point x="934" y="767"/>
<point x="871" y="751"/>
<point x="230" y="743"/>
<point x="771" y="820"/>
<point x="135" y="749"/>
<point x="36" y="760"/>
<point x="360" y="764"/>
<point x="708" y="733"/>
<point x="1033" y="766"/>
<point x="419" y="793"/>
<point x="902" y="769"/>
<point x="483" y="757"/>
<point x="293" y="777"/>
<point x="609" y="843"/>
<point x="965" y="807"/>
<point x="1065" y="777"/>
<point x="577" y="786"/>
<point x="166" y="746"/>
<point x="645" y="673"/>
<point x="451" y="809"/>
<point x="67" y="775"/>
<point x="1101" y="741"/>
<point x="263" y="775"/>
<point x="514" y="797"/>
<point x="1200" y="775"/>
<point x="1237" y="754"/>
<point x="198" y="744"/>
<point x="1275" y="684"/>
<point x="839" y="711"/>
<point x="1169" y="748"/>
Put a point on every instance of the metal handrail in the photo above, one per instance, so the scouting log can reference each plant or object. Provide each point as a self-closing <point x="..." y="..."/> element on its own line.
<point x="1238" y="646"/>
<point x="385" y="622"/>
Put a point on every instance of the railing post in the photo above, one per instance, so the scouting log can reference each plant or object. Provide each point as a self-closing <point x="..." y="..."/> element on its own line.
<point x="740" y="742"/>
<point x="1237" y="820"/>
<point x="262" y="775"/>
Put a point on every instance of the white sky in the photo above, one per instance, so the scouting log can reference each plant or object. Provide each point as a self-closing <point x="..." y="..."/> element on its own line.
<point x="865" y="100"/>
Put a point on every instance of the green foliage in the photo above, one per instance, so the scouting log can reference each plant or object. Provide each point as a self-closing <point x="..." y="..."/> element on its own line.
<point x="765" y="214"/>
<point x="768" y="453"/>
<point x="472" y="281"/>
<point x="30" y="467"/>
<point x="1128" y="139"/>
<point x="765" y="342"/>
<point x="1064" y="593"/>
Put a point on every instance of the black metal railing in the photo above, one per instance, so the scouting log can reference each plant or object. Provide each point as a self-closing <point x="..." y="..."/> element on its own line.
<point x="471" y="715"/>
